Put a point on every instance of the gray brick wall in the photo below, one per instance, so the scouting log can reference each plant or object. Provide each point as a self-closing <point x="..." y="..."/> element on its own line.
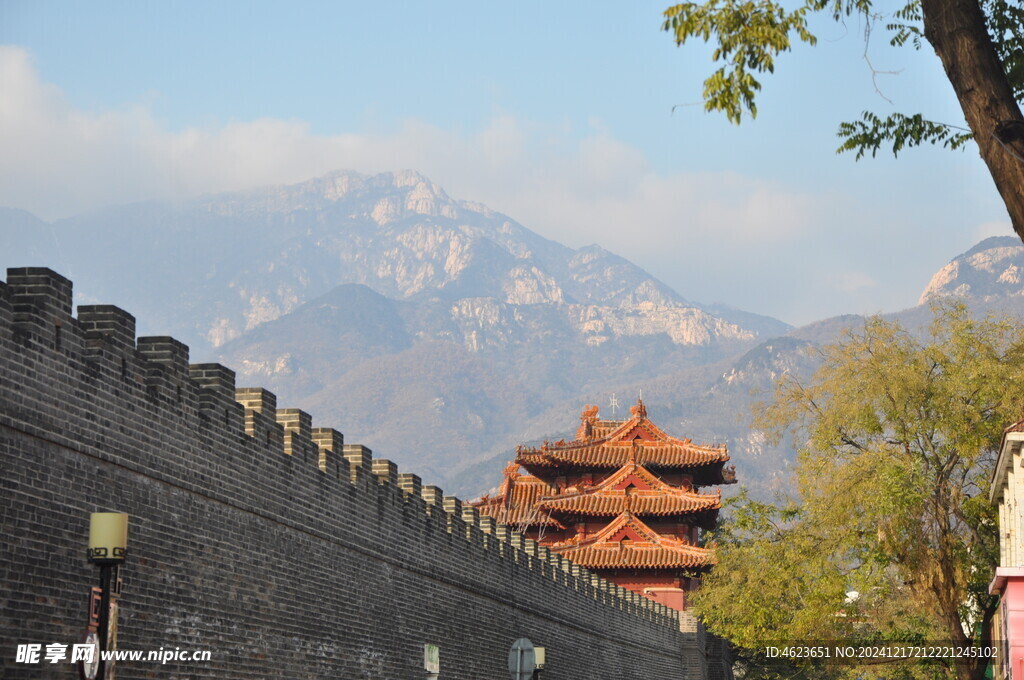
<point x="254" y="534"/>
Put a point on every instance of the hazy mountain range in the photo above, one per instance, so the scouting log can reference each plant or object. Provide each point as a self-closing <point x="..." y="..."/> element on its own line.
<point x="436" y="331"/>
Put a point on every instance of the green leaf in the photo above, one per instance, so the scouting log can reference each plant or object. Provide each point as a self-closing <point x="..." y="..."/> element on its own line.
<point x="750" y="35"/>
<point x="870" y="132"/>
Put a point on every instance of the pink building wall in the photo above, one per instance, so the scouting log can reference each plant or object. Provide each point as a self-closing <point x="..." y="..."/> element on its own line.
<point x="1007" y="493"/>
<point x="1008" y="633"/>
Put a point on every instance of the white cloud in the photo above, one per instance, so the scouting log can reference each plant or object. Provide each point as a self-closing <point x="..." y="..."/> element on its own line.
<point x="56" y="161"/>
<point x="711" y="235"/>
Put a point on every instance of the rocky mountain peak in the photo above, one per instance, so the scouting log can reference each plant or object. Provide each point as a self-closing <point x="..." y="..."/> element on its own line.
<point x="406" y="193"/>
<point x="336" y="185"/>
<point x="248" y="258"/>
<point x="589" y="254"/>
<point x="992" y="269"/>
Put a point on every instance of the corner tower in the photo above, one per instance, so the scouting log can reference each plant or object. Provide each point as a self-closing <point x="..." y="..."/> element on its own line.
<point x="622" y="499"/>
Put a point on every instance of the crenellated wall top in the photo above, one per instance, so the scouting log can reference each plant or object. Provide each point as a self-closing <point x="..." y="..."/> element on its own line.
<point x="37" y="323"/>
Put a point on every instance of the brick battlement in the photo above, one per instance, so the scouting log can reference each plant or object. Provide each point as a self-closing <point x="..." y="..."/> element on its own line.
<point x="223" y="485"/>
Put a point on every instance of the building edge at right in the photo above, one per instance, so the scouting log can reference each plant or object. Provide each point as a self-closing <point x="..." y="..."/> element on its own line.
<point x="1007" y="491"/>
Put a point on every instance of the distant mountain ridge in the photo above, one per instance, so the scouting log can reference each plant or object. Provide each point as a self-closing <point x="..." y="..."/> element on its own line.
<point x="439" y="332"/>
<point x="716" y="401"/>
<point x="231" y="262"/>
<point x="427" y="326"/>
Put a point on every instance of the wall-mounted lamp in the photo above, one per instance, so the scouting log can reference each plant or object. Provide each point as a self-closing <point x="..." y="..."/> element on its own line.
<point x="108" y="548"/>
<point x="108" y="537"/>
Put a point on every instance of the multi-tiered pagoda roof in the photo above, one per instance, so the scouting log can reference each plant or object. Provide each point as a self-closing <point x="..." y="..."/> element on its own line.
<point x="621" y="498"/>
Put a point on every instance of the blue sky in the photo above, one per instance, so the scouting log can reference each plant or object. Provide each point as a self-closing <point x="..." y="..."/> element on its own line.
<point x="559" y="114"/>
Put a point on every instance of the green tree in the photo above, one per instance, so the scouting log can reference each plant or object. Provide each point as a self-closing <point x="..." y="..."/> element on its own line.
<point x="890" y="535"/>
<point x="980" y="44"/>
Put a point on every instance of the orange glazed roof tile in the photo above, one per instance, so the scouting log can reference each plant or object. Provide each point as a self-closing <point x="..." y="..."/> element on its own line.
<point x="641" y="505"/>
<point x="635" y="489"/>
<point x="516" y="502"/>
<point x="616" y="454"/>
<point x="611" y="443"/>
<point x="621" y="556"/>
<point x="629" y="543"/>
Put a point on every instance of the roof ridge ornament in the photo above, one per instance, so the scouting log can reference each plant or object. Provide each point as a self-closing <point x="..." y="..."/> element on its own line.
<point x="587" y="420"/>
<point x="639" y="411"/>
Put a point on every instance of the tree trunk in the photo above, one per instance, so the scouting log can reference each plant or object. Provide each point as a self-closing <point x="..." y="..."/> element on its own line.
<point x="957" y="31"/>
<point x="945" y="584"/>
<point x="985" y="639"/>
<point x="963" y="668"/>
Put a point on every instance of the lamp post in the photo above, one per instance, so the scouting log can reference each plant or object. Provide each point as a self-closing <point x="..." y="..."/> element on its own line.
<point x="108" y="547"/>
